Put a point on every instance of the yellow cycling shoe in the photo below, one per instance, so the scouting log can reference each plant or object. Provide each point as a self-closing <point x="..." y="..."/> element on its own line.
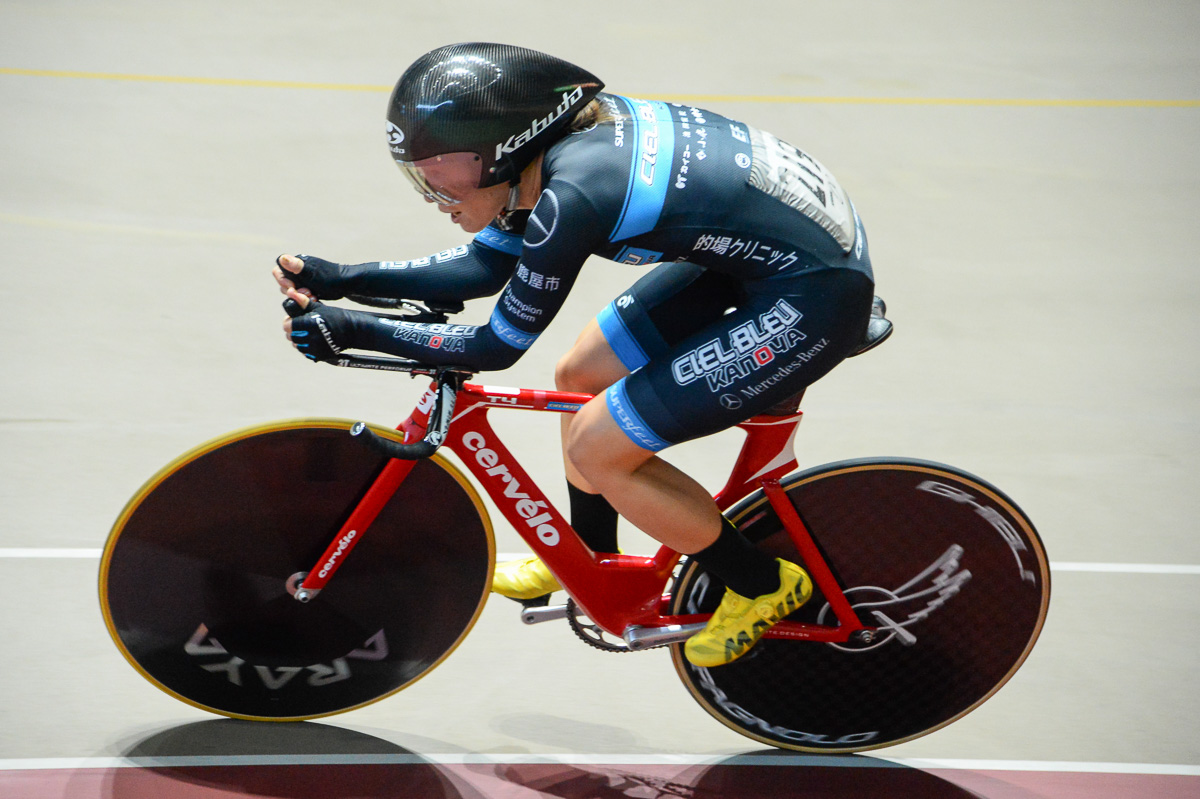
<point x="524" y="579"/>
<point x="739" y="622"/>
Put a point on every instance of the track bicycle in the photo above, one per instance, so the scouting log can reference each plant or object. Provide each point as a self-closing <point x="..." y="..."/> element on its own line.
<point x="304" y="568"/>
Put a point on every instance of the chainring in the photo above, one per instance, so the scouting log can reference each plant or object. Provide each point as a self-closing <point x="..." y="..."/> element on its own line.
<point x="590" y="634"/>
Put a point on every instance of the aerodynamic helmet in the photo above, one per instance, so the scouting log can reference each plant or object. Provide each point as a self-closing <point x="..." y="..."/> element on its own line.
<point x="476" y="114"/>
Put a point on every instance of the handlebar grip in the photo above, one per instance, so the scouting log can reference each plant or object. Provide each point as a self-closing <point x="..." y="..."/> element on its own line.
<point x="393" y="449"/>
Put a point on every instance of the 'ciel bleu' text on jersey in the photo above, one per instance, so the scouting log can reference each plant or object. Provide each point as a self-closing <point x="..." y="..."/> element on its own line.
<point x="448" y="338"/>
<point x="749" y="347"/>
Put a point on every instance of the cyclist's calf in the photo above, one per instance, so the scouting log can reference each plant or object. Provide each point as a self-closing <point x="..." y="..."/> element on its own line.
<point x="650" y="493"/>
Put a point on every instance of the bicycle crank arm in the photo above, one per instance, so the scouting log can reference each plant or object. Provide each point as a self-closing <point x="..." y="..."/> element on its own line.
<point x="636" y="637"/>
<point x="537" y="615"/>
<point x="639" y="638"/>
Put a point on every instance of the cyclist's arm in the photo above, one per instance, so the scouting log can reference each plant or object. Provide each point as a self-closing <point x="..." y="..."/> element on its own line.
<point x="478" y="269"/>
<point x="561" y="233"/>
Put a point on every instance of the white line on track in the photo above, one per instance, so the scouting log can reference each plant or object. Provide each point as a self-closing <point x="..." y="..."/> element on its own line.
<point x="56" y="552"/>
<point x="1056" y="566"/>
<point x="776" y="759"/>
<point x="1126" y="568"/>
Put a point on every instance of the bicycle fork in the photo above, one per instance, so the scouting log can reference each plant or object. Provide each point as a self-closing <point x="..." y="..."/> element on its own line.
<point x="437" y="405"/>
<point x="304" y="586"/>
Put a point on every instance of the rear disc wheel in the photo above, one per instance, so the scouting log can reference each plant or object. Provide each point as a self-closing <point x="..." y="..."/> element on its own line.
<point x="948" y="569"/>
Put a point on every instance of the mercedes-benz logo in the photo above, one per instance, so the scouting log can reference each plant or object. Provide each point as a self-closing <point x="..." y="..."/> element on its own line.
<point x="543" y="220"/>
<point x="730" y="403"/>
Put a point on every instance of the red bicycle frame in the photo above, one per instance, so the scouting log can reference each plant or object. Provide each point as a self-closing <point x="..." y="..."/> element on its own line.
<point x="615" y="591"/>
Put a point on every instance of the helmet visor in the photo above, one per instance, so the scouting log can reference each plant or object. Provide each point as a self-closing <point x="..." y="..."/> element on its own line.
<point x="444" y="179"/>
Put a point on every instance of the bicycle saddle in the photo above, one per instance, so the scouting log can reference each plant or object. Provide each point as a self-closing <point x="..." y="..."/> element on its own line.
<point x="878" y="328"/>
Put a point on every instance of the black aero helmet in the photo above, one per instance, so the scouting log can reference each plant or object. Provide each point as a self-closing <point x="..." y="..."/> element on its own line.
<point x="482" y="109"/>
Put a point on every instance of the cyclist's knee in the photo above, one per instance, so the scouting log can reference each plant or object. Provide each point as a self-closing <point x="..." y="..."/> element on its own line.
<point x="571" y="373"/>
<point x="590" y="366"/>
<point x="583" y="446"/>
<point x="599" y="449"/>
<point x="580" y="371"/>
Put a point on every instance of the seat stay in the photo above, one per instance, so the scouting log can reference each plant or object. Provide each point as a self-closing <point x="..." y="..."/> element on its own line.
<point x="813" y="561"/>
<point x="768" y="452"/>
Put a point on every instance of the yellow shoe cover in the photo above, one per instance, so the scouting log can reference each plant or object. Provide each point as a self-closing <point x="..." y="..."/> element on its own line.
<point x="524" y="579"/>
<point x="739" y="622"/>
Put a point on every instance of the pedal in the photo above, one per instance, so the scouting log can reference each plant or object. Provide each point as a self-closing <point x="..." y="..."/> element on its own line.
<point x="537" y="615"/>
<point x="536" y="602"/>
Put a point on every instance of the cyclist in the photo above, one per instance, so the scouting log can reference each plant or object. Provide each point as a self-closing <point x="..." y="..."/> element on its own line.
<point x="763" y="284"/>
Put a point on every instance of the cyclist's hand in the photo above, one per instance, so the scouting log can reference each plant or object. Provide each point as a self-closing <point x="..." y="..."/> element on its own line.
<point x="319" y="332"/>
<point x="311" y="276"/>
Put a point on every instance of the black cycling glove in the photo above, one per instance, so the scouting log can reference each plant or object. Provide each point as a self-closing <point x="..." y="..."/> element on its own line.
<point x="323" y="331"/>
<point x="324" y="279"/>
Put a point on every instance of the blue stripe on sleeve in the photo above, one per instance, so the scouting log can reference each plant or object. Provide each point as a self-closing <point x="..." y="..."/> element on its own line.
<point x="510" y="335"/>
<point x="510" y="243"/>
<point x="650" y="173"/>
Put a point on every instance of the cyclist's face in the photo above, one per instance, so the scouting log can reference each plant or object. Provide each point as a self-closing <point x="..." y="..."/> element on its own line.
<point x="476" y="208"/>
<point x="452" y="181"/>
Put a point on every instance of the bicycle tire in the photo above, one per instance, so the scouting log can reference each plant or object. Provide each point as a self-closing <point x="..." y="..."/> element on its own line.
<point x="193" y="577"/>
<point x="880" y="524"/>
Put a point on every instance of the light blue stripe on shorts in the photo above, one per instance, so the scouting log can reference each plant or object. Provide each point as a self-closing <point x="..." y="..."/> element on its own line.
<point x="630" y="353"/>
<point x="629" y="421"/>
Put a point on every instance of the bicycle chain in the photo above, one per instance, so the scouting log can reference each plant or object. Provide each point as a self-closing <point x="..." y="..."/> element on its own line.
<point x="590" y="634"/>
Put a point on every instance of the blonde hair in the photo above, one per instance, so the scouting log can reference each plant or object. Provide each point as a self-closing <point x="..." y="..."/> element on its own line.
<point x="596" y="112"/>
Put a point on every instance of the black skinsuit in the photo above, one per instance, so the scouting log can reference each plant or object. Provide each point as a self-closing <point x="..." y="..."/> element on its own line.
<point x="738" y="219"/>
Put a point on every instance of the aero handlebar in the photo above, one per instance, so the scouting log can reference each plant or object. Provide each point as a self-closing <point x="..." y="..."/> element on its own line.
<point x="447" y="381"/>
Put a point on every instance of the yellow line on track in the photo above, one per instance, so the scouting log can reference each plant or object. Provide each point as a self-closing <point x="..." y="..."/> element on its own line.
<point x="239" y="82"/>
<point x="994" y="102"/>
<point x="963" y="101"/>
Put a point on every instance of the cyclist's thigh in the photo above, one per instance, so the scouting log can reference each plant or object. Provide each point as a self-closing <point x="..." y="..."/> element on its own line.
<point x="663" y="308"/>
<point x="591" y="365"/>
<point x="774" y="345"/>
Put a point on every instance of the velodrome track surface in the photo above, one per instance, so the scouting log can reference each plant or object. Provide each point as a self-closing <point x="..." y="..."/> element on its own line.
<point x="1027" y="174"/>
